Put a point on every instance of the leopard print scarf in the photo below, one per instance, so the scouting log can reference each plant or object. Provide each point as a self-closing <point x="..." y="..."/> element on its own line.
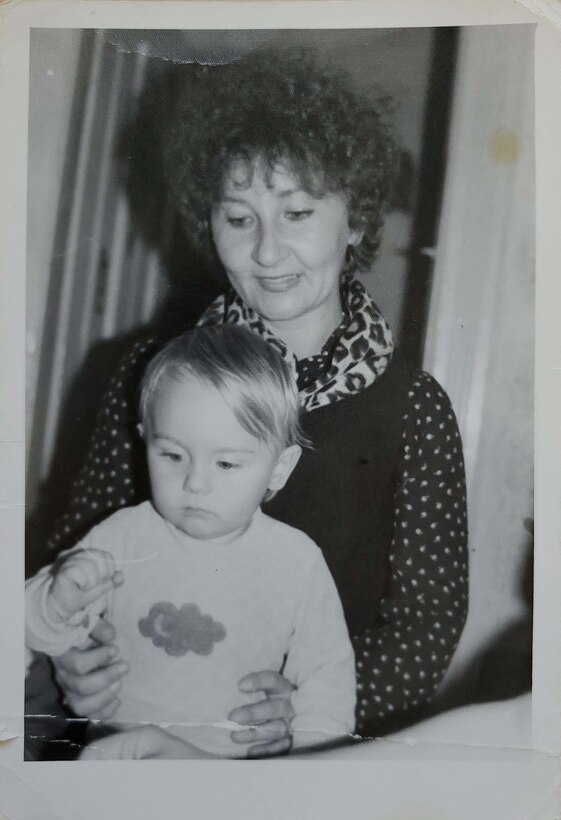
<point x="361" y="355"/>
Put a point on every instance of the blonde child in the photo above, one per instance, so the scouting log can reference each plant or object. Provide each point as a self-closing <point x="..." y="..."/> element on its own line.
<point x="201" y="585"/>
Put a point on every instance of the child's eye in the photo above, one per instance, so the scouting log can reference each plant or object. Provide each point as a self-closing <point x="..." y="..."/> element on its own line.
<point x="175" y="457"/>
<point x="299" y="215"/>
<point x="227" y="465"/>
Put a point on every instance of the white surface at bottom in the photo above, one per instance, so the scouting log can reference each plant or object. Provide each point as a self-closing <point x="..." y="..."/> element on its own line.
<point x="471" y="763"/>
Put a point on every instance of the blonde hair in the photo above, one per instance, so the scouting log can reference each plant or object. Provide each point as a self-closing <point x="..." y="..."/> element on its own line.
<point x="248" y="372"/>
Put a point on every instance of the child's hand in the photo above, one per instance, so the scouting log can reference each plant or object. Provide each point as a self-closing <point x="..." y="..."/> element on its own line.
<point x="83" y="578"/>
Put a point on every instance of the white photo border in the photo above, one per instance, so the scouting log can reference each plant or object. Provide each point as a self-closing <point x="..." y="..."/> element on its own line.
<point x="396" y="783"/>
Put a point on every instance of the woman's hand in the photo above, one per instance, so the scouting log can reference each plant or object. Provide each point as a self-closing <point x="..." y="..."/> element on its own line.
<point x="269" y="720"/>
<point x="142" y="743"/>
<point x="90" y="678"/>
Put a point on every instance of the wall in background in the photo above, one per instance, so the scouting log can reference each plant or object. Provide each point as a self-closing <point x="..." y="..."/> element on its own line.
<point x="480" y="342"/>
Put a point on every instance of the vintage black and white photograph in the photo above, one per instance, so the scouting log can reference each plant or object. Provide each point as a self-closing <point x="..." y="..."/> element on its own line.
<point x="288" y="302"/>
<point x="281" y="425"/>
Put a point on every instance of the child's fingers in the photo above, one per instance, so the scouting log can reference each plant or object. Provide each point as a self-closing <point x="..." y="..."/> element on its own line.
<point x="84" y="578"/>
<point x="98" y="591"/>
<point x="89" y="568"/>
<point x="75" y="572"/>
<point x="82" y="573"/>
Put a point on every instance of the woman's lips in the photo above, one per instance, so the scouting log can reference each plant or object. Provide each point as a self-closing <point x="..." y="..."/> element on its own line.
<point x="278" y="284"/>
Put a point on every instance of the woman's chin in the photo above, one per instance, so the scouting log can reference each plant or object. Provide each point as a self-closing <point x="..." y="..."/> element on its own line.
<point x="283" y="307"/>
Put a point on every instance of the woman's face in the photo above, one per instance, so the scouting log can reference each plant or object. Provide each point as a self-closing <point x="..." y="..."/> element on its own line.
<point x="283" y="249"/>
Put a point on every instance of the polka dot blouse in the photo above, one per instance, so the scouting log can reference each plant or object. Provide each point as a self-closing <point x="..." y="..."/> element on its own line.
<point x="400" y="664"/>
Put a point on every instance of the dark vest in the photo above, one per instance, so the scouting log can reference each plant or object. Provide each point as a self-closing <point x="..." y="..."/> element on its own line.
<point x="342" y="492"/>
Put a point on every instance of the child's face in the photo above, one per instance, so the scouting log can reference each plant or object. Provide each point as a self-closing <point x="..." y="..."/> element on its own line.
<point x="208" y="474"/>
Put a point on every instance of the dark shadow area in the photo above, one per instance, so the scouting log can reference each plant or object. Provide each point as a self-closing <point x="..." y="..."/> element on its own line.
<point x="430" y="186"/>
<point x="504" y="667"/>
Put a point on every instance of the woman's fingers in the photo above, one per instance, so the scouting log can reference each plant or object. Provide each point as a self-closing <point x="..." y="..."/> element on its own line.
<point x="276" y="747"/>
<point x="95" y="705"/>
<point x="81" y="662"/>
<point x="263" y="712"/>
<point x="107" y="711"/>
<point x="92" y="683"/>
<point x="96" y="682"/>
<point x="269" y="720"/>
<point x="273" y="730"/>
<point x="104" y="633"/>
<point x="89" y="707"/>
<point x="272" y="683"/>
<point x="91" y="677"/>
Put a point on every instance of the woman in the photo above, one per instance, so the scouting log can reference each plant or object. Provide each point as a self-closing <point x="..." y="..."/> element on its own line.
<point x="280" y="171"/>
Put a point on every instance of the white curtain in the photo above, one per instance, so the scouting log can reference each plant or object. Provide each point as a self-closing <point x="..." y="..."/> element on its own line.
<point x="480" y="341"/>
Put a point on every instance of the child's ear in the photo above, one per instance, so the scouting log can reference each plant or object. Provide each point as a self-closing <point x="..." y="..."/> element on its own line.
<point x="285" y="464"/>
<point x="140" y="428"/>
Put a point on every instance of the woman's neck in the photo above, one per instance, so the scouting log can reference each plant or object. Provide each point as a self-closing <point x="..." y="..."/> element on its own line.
<point x="306" y="335"/>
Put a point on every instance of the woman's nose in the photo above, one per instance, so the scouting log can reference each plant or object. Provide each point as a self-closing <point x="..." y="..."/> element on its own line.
<point x="269" y="247"/>
<point x="197" y="479"/>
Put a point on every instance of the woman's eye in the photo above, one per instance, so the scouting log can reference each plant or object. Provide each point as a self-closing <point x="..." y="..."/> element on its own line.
<point x="299" y="215"/>
<point x="238" y="221"/>
<point x="227" y="465"/>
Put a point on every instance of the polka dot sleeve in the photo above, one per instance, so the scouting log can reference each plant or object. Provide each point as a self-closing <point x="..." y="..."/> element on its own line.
<point x="400" y="665"/>
<point x="113" y="474"/>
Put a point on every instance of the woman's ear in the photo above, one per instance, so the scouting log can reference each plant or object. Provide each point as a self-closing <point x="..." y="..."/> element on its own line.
<point x="285" y="464"/>
<point x="140" y="428"/>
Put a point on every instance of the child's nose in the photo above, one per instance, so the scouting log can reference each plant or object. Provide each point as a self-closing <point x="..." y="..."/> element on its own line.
<point x="197" y="479"/>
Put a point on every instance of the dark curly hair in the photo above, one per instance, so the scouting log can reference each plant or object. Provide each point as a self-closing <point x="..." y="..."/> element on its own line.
<point x="281" y="106"/>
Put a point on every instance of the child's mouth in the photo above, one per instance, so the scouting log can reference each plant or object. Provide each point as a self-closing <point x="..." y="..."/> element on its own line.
<point x="197" y="511"/>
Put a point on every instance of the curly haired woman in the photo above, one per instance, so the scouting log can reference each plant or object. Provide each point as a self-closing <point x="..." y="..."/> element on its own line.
<point x="280" y="170"/>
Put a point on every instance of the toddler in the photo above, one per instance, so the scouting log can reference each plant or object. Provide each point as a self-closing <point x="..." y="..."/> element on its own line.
<point x="203" y="587"/>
